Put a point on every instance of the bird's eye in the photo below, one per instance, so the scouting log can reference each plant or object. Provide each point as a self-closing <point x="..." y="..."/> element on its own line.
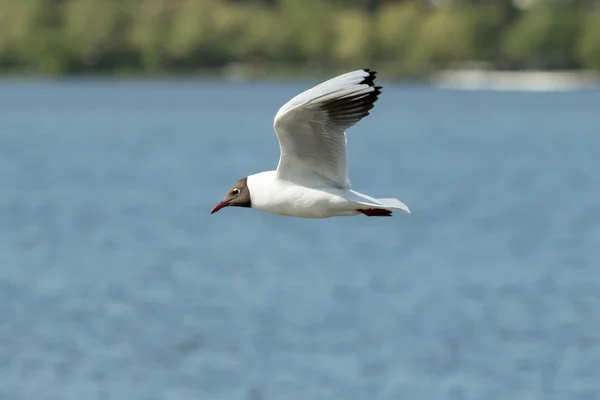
<point x="235" y="191"/>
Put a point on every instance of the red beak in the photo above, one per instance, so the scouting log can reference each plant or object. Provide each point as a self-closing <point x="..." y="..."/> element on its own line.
<point x="222" y="204"/>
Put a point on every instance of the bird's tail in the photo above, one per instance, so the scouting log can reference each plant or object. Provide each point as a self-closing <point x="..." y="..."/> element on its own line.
<point x="368" y="203"/>
<point x="394" y="204"/>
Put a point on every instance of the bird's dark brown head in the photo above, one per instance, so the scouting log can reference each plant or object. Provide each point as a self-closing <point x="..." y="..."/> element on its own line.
<point x="237" y="196"/>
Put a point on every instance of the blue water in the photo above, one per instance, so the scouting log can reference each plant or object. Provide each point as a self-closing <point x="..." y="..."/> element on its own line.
<point x="116" y="283"/>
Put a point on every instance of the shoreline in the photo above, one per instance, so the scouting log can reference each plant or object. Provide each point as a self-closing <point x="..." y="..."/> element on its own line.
<point x="449" y="79"/>
<point x="524" y="81"/>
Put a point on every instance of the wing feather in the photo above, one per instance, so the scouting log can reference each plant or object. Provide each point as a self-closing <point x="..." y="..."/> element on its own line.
<point x="311" y="128"/>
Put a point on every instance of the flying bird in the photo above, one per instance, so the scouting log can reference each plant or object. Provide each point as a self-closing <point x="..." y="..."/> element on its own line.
<point x="311" y="179"/>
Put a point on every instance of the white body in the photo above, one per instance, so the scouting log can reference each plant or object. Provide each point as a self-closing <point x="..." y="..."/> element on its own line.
<point x="272" y="194"/>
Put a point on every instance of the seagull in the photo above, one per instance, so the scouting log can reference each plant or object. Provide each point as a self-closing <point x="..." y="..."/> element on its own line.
<point x="311" y="179"/>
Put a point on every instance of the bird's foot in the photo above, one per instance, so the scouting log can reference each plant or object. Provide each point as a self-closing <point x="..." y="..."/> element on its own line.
<point x="375" y="212"/>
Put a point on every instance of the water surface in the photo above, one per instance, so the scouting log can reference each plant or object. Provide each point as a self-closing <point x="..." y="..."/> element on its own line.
<point x="115" y="283"/>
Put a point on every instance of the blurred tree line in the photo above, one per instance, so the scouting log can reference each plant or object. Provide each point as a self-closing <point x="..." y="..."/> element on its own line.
<point x="402" y="37"/>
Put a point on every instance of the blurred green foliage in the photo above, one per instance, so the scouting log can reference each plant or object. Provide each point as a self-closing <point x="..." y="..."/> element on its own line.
<point x="404" y="37"/>
<point x="546" y="36"/>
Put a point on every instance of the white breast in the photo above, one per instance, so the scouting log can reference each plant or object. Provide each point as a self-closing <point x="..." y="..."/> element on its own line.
<point x="273" y="195"/>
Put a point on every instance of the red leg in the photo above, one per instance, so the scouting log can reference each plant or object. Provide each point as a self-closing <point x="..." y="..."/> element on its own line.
<point x="375" y="212"/>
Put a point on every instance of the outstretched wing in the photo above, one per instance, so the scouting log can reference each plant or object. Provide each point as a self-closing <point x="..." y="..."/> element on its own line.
<point x="311" y="129"/>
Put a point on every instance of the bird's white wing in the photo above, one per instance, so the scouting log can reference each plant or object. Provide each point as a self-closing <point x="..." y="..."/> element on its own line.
<point x="311" y="129"/>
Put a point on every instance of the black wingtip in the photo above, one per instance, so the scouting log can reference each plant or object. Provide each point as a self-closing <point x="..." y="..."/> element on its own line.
<point x="370" y="79"/>
<point x="376" y="93"/>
